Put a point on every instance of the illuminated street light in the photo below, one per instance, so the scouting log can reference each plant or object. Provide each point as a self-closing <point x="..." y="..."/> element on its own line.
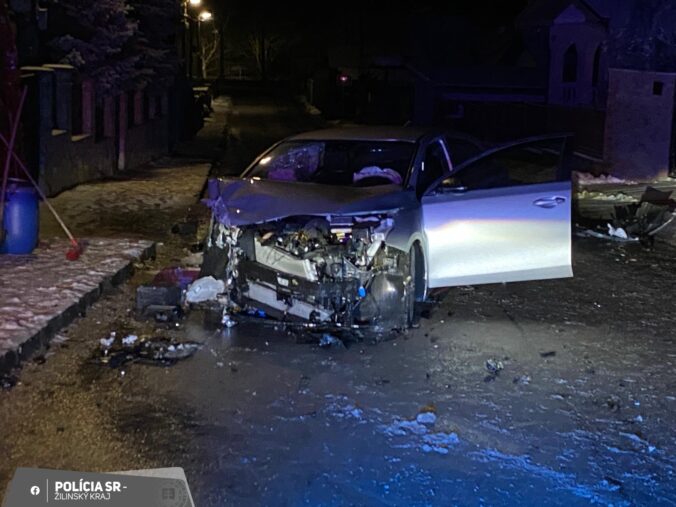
<point x="205" y="16"/>
<point x="195" y="3"/>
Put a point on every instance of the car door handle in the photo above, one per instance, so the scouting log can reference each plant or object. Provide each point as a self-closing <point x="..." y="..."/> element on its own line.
<point x="549" y="202"/>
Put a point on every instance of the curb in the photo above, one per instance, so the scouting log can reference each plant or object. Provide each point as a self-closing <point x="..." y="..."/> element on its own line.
<point x="13" y="358"/>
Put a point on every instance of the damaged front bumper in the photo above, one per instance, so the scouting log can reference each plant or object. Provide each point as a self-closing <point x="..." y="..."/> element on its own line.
<point x="311" y="272"/>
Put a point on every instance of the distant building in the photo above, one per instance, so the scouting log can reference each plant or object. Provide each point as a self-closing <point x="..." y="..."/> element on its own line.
<point x="568" y="37"/>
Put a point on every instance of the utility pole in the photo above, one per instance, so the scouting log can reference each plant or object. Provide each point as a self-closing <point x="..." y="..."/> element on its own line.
<point x="221" y="50"/>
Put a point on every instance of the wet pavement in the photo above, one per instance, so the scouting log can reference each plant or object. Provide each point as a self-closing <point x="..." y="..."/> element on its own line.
<point x="581" y="412"/>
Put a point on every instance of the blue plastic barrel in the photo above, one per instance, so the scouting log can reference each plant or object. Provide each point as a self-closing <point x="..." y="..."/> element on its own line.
<point x="21" y="220"/>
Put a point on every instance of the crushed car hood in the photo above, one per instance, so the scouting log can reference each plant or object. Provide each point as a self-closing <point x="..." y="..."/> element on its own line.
<point x="249" y="201"/>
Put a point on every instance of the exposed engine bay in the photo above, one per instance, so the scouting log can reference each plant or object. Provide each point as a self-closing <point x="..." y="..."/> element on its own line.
<point x="318" y="270"/>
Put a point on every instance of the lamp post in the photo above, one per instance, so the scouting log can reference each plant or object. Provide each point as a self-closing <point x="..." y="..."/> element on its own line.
<point x="188" y="36"/>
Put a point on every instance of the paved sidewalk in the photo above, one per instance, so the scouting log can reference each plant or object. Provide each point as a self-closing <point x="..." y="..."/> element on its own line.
<point x="43" y="292"/>
<point x="123" y="220"/>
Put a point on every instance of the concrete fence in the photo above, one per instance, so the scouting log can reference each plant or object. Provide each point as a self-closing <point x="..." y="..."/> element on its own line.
<point x="73" y="134"/>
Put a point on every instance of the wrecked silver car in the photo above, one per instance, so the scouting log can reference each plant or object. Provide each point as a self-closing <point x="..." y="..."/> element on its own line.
<point x="350" y="227"/>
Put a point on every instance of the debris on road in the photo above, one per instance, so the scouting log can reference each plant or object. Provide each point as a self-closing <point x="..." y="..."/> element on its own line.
<point x="613" y="403"/>
<point x="116" y="352"/>
<point x="175" y="277"/>
<point x="494" y="366"/>
<point x="153" y="295"/>
<point x="549" y="353"/>
<point x="639" y="220"/>
<point x="204" y="289"/>
<point x="227" y="320"/>
<point x="523" y="380"/>
<point x="163" y="313"/>
<point x="328" y="340"/>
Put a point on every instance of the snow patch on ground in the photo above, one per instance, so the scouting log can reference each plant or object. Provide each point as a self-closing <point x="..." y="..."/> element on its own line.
<point x="36" y="288"/>
<point x="605" y="179"/>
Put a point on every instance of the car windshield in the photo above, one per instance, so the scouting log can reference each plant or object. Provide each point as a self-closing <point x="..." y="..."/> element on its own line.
<point x="348" y="163"/>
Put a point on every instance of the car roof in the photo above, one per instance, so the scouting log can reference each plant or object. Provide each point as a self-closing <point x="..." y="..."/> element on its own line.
<point x="363" y="133"/>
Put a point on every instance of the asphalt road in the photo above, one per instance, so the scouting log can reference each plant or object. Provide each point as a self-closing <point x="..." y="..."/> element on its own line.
<point x="582" y="412"/>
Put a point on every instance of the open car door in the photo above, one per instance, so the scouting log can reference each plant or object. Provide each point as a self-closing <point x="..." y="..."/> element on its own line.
<point x="501" y="216"/>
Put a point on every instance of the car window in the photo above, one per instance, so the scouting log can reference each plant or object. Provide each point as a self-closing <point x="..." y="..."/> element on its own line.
<point x="460" y="149"/>
<point x="433" y="167"/>
<point x="523" y="164"/>
<point x="349" y="163"/>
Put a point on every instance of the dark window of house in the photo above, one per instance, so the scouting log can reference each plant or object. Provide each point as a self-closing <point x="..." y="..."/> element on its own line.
<point x="596" y="72"/>
<point x="570" y="64"/>
<point x="658" y="87"/>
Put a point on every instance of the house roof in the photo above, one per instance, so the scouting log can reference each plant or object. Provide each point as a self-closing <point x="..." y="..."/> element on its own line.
<point x="544" y="12"/>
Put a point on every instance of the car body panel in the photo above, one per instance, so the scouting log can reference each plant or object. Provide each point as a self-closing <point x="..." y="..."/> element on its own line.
<point x="497" y="235"/>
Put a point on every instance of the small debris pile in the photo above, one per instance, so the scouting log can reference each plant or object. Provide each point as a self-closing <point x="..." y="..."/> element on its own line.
<point x="638" y="221"/>
<point x="115" y="351"/>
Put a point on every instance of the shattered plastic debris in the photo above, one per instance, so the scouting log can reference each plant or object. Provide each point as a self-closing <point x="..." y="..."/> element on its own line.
<point x="129" y="340"/>
<point x="204" y="289"/>
<point x="618" y="232"/>
<point x="494" y="366"/>
<point x="161" y="351"/>
<point x="328" y="340"/>
<point x="227" y="320"/>
<point x="106" y="343"/>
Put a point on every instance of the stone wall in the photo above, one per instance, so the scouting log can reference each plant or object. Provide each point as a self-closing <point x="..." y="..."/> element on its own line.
<point x="639" y="131"/>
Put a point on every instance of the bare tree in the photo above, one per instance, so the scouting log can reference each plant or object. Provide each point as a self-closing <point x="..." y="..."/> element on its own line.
<point x="209" y="46"/>
<point x="264" y="50"/>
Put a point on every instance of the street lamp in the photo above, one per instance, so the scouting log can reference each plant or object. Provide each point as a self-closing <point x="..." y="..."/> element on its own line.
<point x="205" y="15"/>
<point x="188" y="20"/>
